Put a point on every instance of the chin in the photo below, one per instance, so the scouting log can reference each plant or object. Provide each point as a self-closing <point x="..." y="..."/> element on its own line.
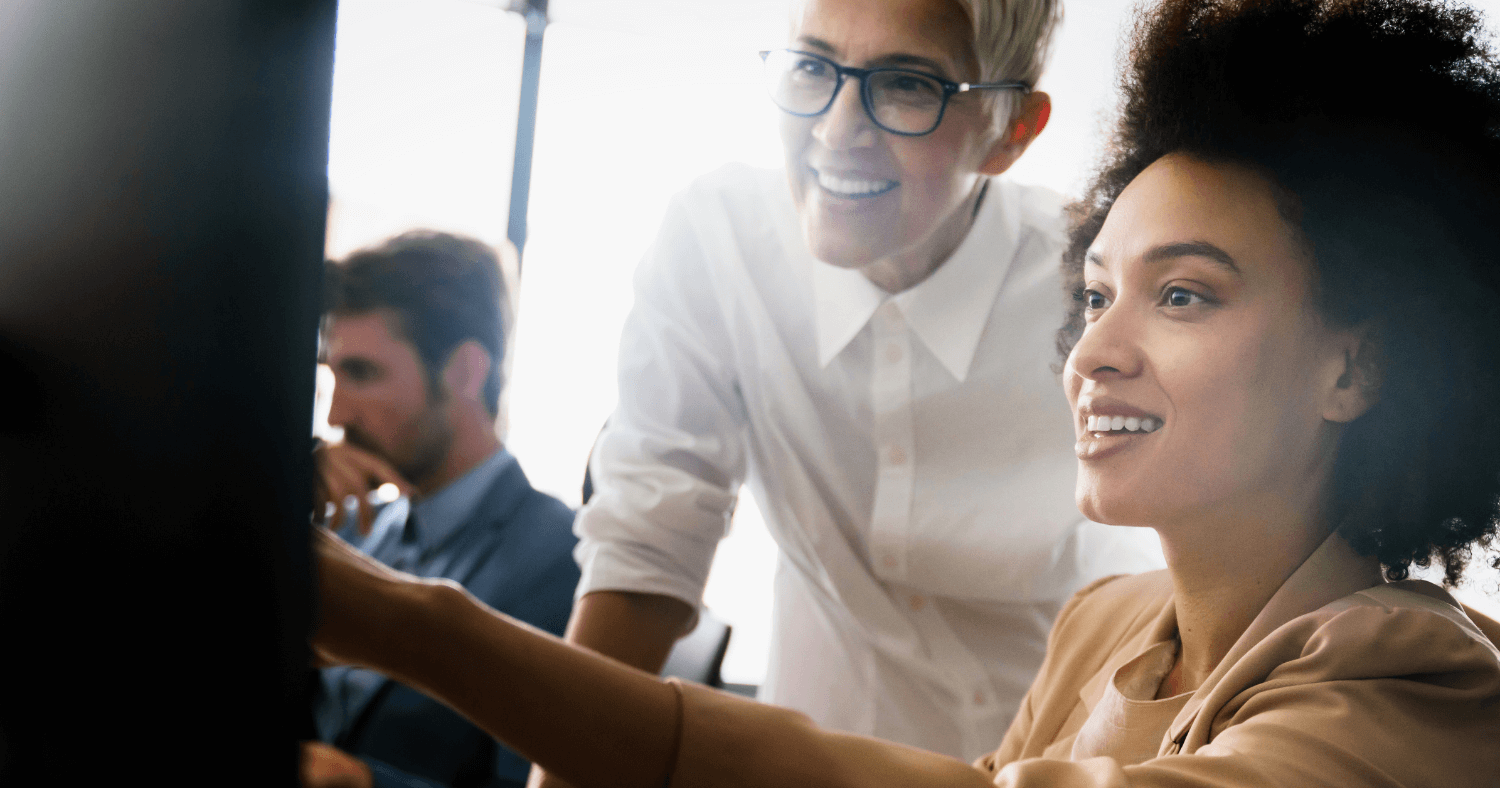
<point x="1107" y="508"/>
<point x="840" y="257"/>
<point x="837" y="250"/>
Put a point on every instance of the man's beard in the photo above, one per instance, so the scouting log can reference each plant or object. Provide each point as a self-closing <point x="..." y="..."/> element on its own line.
<point x="434" y="438"/>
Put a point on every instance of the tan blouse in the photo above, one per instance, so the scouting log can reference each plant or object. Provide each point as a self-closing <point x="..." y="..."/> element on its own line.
<point x="1341" y="680"/>
<point x="1127" y="722"/>
<point x="1335" y="683"/>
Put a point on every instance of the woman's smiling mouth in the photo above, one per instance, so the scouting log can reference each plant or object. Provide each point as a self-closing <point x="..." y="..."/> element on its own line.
<point x="1102" y="424"/>
<point x="853" y="188"/>
<point x="1106" y="433"/>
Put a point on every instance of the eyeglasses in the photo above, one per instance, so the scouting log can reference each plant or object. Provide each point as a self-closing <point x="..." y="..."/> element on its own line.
<point x="909" y="103"/>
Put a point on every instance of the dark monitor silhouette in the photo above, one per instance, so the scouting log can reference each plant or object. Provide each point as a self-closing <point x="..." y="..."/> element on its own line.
<point x="161" y="236"/>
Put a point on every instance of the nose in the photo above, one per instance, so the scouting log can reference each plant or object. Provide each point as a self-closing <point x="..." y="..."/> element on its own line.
<point x="1109" y="349"/>
<point x="340" y="410"/>
<point x="845" y="125"/>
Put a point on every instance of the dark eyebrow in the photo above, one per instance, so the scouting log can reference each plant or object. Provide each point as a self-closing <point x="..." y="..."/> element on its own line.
<point x="1157" y="254"/>
<point x="1190" y="249"/>
<point x="818" y="43"/>
<point x="923" y="63"/>
<point x="926" y="64"/>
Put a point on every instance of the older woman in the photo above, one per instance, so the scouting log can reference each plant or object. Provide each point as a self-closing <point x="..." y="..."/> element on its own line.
<point x="860" y="339"/>
<point x="1282" y="360"/>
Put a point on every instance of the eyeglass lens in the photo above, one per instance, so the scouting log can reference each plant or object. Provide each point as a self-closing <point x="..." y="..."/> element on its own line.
<point x="901" y="101"/>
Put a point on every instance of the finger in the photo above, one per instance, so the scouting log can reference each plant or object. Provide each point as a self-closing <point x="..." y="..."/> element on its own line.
<point x="345" y="483"/>
<point x="376" y="472"/>
<point x="373" y="468"/>
<point x="366" y="515"/>
<point x="333" y="485"/>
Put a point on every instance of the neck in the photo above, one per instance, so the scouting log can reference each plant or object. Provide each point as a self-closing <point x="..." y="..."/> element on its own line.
<point x="910" y="267"/>
<point x="473" y="442"/>
<point x="1223" y="574"/>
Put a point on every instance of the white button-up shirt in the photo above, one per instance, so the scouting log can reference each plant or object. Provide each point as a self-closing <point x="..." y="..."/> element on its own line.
<point x="912" y="454"/>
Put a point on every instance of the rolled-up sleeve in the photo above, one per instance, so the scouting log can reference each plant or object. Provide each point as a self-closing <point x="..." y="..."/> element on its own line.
<point x="668" y="467"/>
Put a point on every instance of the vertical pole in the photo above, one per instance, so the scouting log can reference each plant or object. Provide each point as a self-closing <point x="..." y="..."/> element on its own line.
<point x="531" y="75"/>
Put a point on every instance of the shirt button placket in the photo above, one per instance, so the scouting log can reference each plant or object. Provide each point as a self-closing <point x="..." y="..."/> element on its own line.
<point x="891" y="386"/>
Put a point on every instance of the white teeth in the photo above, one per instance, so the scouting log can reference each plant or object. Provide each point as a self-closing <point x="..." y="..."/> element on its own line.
<point x="1122" y="424"/>
<point x="852" y="187"/>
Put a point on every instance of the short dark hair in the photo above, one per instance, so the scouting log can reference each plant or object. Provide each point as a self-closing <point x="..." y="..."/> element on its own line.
<point x="1378" y="122"/>
<point x="446" y="289"/>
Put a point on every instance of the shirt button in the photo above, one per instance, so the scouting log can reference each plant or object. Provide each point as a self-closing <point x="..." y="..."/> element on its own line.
<point x="893" y="353"/>
<point x="916" y="603"/>
<point x="978" y="698"/>
<point x="896" y="455"/>
<point x="889" y="561"/>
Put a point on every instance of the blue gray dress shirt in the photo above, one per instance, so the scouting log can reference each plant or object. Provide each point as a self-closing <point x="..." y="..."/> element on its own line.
<point x="509" y="545"/>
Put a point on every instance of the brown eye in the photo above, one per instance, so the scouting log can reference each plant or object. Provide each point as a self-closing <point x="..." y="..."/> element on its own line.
<point x="1093" y="300"/>
<point x="1177" y="296"/>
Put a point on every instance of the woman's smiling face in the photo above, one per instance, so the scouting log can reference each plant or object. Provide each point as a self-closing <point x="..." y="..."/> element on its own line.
<point x="865" y="194"/>
<point x="1203" y="343"/>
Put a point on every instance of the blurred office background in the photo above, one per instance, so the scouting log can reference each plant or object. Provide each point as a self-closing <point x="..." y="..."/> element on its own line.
<point x="636" y="99"/>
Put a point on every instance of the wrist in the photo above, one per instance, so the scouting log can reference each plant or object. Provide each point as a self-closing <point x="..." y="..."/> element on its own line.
<point x="416" y="614"/>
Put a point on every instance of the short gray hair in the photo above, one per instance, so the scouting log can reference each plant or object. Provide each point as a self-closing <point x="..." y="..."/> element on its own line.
<point x="1012" y="39"/>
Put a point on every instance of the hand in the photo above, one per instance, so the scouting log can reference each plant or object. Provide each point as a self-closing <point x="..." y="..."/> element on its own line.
<point x="325" y="766"/>
<point x="344" y="470"/>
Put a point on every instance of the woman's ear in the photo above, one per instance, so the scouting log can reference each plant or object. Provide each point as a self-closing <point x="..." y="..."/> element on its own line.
<point x="1030" y="119"/>
<point x="468" y="366"/>
<point x="1357" y="385"/>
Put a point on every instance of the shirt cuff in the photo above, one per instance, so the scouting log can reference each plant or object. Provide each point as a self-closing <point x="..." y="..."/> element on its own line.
<point x="637" y="569"/>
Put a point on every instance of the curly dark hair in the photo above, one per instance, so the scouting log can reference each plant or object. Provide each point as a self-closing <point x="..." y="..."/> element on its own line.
<point x="446" y="288"/>
<point x="1378" y="122"/>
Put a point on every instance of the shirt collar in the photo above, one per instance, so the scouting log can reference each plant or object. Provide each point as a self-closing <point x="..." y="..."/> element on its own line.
<point x="1333" y="571"/>
<point x="947" y="311"/>
<point x="442" y="513"/>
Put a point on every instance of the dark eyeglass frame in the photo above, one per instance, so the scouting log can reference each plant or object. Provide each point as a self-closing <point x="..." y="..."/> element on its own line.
<point x="949" y="89"/>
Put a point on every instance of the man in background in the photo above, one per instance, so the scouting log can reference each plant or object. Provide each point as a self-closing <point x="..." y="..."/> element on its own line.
<point x="415" y="331"/>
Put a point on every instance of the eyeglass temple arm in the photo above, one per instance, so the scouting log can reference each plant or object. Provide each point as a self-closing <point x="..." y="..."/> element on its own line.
<point x="964" y="87"/>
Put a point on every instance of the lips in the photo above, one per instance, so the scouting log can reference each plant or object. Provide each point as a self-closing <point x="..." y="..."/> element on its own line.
<point x="853" y="186"/>
<point x="1112" y="426"/>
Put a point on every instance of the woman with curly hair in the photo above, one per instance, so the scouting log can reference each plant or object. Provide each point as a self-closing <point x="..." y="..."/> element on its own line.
<point x="1285" y="358"/>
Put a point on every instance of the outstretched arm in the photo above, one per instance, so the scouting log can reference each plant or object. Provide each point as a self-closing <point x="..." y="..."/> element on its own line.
<point x="595" y="721"/>
<point x="587" y="718"/>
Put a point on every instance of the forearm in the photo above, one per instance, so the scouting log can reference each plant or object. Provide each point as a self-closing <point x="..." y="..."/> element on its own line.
<point x="636" y="629"/>
<point x="728" y="741"/>
<point x="589" y="719"/>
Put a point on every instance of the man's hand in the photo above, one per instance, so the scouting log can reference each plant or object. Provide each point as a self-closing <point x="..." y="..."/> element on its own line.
<point x="325" y="766"/>
<point x="344" y="470"/>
